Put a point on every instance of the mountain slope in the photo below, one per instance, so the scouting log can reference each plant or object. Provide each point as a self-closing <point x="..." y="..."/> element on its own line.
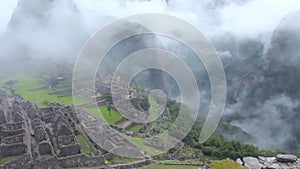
<point x="268" y="106"/>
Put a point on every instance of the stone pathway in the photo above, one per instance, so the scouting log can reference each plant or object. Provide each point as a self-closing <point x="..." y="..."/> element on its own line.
<point x="27" y="129"/>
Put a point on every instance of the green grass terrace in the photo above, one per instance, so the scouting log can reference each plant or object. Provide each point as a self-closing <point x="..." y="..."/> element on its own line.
<point x="25" y="84"/>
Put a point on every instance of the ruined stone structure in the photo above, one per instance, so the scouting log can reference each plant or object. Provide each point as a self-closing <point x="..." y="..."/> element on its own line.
<point x="44" y="137"/>
<point x="12" y="128"/>
<point x="61" y="126"/>
<point x="42" y="140"/>
<point x="101" y="134"/>
<point x="64" y="137"/>
<point x="2" y="117"/>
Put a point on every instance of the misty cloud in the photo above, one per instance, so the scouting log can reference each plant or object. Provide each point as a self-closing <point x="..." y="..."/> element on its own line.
<point x="65" y="25"/>
<point x="50" y="29"/>
<point x="268" y="124"/>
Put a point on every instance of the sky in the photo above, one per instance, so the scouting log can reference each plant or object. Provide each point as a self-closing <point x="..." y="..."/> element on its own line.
<point x="255" y="16"/>
<point x="252" y="18"/>
<point x="6" y="9"/>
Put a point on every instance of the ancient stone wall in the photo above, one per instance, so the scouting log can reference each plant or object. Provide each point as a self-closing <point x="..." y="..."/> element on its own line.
<point x="80" y="161"/>
<point x="2" y="117"/>
<point x="137" y="164"/>
<point x="51" y="141"/>
<point x="12" y="150"/>
<point x="5" y="133"/>
<point x="23" y="162"/>
<point x="69" y="150"/>
<point x="44" y="148"/>
<point x="48" y="163"/>
<point x="12" y="141"/>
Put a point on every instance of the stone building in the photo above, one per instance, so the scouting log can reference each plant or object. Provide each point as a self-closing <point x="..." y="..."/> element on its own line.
<point x="45" y="136"/>
<point x="42" y="140"/>
<point x="64" y="139"/>
<point x="2" y="117"/>
<point x="12" y="128"/>
<point x="47" y="115"/>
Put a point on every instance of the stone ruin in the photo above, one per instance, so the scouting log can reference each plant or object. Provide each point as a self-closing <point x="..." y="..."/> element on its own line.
<point x="42" y="142"/>
<point x="53" y="130"/>
<point x="64" y="138"/>
<point x="47" y="136"/>
<point x="12" y="128"/>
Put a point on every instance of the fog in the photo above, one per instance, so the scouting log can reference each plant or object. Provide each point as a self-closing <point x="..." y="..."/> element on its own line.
<point x="254" y="19"/>
<point x="267" y="101"/>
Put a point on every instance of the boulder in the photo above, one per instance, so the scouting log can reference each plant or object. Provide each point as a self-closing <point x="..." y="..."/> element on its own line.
<point x="275" y="166"/>
<point x="252" y="163"/>
<point x="284" y="165"/>
<point x="267" y="162"/>
<point x="286" y="158"/>
<point x="281" y="161"/>
<point x="270" y="159"/>
<point x="262" y="159"/>
<point x="239" y="161"/>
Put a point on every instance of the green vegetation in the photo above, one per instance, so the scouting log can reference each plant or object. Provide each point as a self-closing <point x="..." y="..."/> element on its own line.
<point x="90" y="145"/>
<point x="228" y="164"/>
<point x="135" y="128"/>
<point x="104" y="114"/>
<point x="140" y="143"/>
<point x="107" y="97"/>
<point x="161" y="166"/>
<point x="145" y="104"/>
<point x="174" y="109"/>
<point x="122" y="160"/>
<point x="25" y="83"/>
<point x="7" y="159"/>
<point x="83" y="145"/>
<point x="189" y="161"/>
<point x="220" y="148"/>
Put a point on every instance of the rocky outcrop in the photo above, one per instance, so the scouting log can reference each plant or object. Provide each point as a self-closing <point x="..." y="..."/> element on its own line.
<point x="286" y="158"/>
<point x="281" y="161"/>
<point x="251" y="163"/>
<point x="239" y="161"/>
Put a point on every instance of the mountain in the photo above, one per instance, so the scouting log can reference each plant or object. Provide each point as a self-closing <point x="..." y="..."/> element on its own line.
<point x="268" y="98"/>
<point x="43" y="29"/>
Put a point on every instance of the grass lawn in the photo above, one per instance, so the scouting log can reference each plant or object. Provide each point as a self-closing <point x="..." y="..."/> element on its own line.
<point x="192" y="161"/>
<point x="135" y="128"/>
<point x="161" y="166"/>
<point x="90" y="145"/>
<point x="83" y="145"/>
<point x="26" y="82"/>
<point x="140" y="143"/>
<point x="6" y="159"/>
<point x="122" y="160"/>
<point x="104" y="114"/>
<point x="228" y="164"/>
